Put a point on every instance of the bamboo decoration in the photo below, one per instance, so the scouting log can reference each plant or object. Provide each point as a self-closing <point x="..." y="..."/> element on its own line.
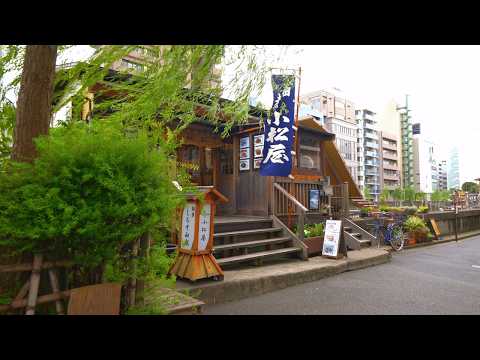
<point x="56" y="290"/>
<point x="195" y="258"/>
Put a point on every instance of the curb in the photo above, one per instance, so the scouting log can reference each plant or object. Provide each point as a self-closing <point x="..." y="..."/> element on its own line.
<point x="215" y="293"/>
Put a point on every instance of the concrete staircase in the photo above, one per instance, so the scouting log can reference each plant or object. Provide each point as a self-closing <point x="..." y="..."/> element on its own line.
<point x="248" y="240"/>
<point x="357" y="237"/>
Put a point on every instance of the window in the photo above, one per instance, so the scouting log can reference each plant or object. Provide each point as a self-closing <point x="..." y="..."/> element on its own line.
<point x="131" y="65"/>
<point x="309" y="151"/>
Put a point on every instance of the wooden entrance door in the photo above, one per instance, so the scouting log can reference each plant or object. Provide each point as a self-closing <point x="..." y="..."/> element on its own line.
<point x="225" y="179"/>
<point x="252" y="190"/>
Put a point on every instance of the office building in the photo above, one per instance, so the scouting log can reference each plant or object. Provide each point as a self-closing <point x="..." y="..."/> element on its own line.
<point x="453" y="177"/>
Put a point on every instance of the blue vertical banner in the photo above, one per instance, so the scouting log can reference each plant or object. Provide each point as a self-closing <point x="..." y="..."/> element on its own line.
<point x="278" y="135"/>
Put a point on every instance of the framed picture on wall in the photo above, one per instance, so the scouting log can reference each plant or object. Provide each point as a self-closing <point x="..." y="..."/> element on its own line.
<point x="244" y="165"/>
<point x="258" y="140"/>
<point x="258" y="151"/>
<point x="245" y="142"/>
<point x="313" y="199"/>
<point x="245" y="153"/>
<point x="257" y="162"/>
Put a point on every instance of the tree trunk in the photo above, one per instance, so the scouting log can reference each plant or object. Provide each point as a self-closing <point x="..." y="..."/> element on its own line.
<point x="34" y="105"/>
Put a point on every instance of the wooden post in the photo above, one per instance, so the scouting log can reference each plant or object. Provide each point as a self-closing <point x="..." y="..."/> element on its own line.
<point x="56" y="290"/>
<point x="34" y="284"/>
<point x="132" y="282"/>
<point x="144" y="253"/>
<point x="301" y="224"/>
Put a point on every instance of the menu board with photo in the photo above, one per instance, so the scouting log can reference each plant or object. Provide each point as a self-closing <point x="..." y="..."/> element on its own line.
<point x="258" y="140"/>
<point x="245" y="142"/>
<point x="244" y="165"/>
<point x="245" y="153"/>
<point x="256" y="163"/>
<point x="258" y="151"/>
<point x="331" y="240"/>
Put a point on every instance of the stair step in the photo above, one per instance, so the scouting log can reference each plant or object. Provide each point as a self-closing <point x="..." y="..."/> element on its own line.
<point x="364" y="242"/>
<point x="251" y="243"/>
<point x="347" y="228"/>
<point x="257" y="255"/>
<point x="357" y="235"/>
<point x="246" y="232"/>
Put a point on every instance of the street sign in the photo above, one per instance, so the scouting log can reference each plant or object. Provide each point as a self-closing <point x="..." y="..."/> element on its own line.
<point x="331" y="240"/>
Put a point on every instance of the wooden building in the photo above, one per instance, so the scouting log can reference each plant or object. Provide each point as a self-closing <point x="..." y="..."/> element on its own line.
<point x="261" y="211"/>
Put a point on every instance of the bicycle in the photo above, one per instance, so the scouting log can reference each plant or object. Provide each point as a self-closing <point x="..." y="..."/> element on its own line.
<point x="391" y="234"/>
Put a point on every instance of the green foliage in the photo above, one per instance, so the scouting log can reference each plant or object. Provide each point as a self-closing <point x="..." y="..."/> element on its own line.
<point x="90" y="191"/>
<point x="409" y="194"/>
<point x="364" y="210"/>
<point x="367" y="194"/>
<point x="414" y="223"/>
<point x="312" y="230"/>
<point x="419" y="196"/>
<point x="398" y="194"/>
<point x="470" y="187"/>
<point x="440" y="195"/>
<point x="385" y="195"/>
<point x="423" y="209"/>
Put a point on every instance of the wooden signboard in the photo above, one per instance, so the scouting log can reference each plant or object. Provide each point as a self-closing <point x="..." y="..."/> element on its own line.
<point x="436" y="230"/>
<point x="102" y="299"/>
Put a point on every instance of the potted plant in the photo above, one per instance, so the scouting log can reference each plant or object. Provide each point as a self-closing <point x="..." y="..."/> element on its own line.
<point x="364" y="212"/>
<point x="423" y="209"/>
<point x="314" y="234"/>
<point x="416" y="228"/>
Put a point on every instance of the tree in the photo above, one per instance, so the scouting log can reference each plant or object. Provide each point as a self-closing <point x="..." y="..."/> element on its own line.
<point x="398" y="194"/>
<point x="367" y="194"/>
<point x="385" y="195"/>
<point x="470" y="187"/>
<point x="34" y="103"/>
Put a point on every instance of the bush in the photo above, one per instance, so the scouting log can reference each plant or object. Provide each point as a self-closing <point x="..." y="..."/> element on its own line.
<point x="90" y="191"/>
<point x="414" y="223"/>
<point x="423" y="209"/>
<point x="410" y="210"/>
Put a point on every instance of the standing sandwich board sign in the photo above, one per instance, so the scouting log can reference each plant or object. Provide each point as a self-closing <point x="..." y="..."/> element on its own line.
<point x="331" y="241"/>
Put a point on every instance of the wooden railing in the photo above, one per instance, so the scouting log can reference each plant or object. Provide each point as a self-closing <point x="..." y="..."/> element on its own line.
<point x="300" y="190"/>
<point x="283" y="198"/>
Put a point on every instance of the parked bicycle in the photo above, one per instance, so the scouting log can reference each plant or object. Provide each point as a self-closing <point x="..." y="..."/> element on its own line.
<point x="390" y="234"/>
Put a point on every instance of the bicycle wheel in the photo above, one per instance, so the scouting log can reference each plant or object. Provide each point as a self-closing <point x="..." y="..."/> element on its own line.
<point x="398" y="239"/>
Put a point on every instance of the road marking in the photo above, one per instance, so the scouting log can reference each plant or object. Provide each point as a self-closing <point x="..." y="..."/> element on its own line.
<point x="476" y="266"/>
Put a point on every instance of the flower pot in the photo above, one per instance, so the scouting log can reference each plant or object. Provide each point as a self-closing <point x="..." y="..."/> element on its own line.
<point x="314" y="244"/>
<point x="412" y="240"/>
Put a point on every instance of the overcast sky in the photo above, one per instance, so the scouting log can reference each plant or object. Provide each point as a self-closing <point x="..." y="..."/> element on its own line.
<point x="443" y="83"/>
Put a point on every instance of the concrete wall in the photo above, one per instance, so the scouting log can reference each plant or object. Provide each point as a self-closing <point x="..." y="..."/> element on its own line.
<point x="468" y="220"/>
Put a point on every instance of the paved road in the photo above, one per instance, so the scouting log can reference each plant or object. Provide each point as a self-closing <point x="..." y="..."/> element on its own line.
<point x="430" y="280"/>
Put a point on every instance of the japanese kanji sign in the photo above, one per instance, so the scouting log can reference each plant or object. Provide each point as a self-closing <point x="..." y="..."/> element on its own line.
<point x="204" y="227"/>
<point x="188" y="226"/>
<point x="278" y="135"/>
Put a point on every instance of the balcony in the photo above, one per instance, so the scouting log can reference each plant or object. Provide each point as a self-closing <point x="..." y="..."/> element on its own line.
<point x="371" y="163"/>
<point x="370" y="135"/>
<point x="371" y="153"/>
<point x="390" y="156"/>
<point x="389" y="146"/>
<point x="391" y="177"/>
<point x="387" y="166"/>
<point x="370" y="125"/>
<point x="371" y="145"/>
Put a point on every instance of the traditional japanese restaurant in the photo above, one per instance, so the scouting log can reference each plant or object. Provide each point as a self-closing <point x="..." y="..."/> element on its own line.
<point x="263" y="216"/>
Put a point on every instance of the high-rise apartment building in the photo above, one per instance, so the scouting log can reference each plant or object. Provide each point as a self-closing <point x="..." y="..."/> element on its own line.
<point x="339" y="117"/>
<point x="442" y="175"/>
<point x="389" y="160"/>
<point x="454" y="170"/>
<point x="368" y="153"/>
<point x="396" y="120"/>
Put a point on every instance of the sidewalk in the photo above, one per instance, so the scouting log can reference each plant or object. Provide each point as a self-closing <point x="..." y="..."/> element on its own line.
<point x="444" y="239"/>
<point x="252" y="281"/>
